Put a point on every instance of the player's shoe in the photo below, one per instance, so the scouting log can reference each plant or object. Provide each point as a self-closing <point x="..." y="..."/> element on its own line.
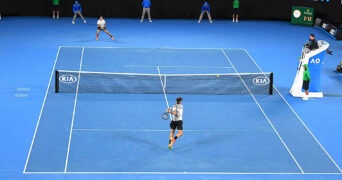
<point x="97" y="38"/>
<point x="112" y="37"/>
<point x="85" y="21"/>
<point x="171" y="142"/>
<point x="73" y="22"/>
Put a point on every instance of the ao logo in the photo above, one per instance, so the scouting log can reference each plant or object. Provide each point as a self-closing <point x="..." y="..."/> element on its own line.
<point x="315" y="61"/>
<point x="67" y="79"/>
<point x="261" y="81"/>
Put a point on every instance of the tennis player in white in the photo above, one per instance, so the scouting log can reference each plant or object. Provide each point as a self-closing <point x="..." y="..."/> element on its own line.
<point x="101" y="26"/>
<point x="177" y="121"/>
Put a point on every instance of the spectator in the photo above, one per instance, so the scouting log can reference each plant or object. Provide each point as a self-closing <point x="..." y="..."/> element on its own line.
<point x="306" y="81"/>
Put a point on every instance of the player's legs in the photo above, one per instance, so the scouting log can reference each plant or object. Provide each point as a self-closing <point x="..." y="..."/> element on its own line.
<point x="200" y="18"/>
<point x="179" y="126"/>
<point x="54" y="8"/>
<point x="179" y="134"/>
<point x="97" y="34"/>
<point x="143" y="14"/>
<point x="173" y="126"/>
<point x="306" y="88"/>
<point x="111" y="36"/>
<point x="57" y="13"/>
<point x="79" y="13"/>
<point x="209" y="17"/>
<point x="233" y="17"/>
<point x="172" y="133"/>
<point x="149" y="14"/>
<point x="180" y="129"/>
<point x="171" y="140"/>
<point x="73" y="19"/>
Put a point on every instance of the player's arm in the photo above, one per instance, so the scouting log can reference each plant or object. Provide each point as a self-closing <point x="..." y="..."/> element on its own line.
<point x="172" y="111"/>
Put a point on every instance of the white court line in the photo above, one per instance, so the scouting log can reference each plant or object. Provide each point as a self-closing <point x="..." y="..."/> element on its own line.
<point x="263" y="112"/>
<point x="188" y="172"/>
<point x="73" y="113"/>
<point x="295" y="113"/>
<point x="41" y="110"/>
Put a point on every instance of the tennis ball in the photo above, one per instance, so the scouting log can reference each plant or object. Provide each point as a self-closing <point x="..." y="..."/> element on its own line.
<point x="217" y="75"/>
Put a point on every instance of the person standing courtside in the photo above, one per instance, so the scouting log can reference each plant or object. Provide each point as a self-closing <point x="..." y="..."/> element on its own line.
<point x="146" y="4"/>
<point x="55" y="9"/>
<point x="205" y="9"/>
<point x="77" y="11"/>
<point x="236" y="6"/>
<point x="177" y="121"/>
<point x="306" y="81"/>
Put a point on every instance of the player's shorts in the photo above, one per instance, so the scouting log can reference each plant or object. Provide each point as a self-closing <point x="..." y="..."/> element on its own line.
<point x="235" y="10"/>
<point x="55" y="7"/>
<point x="102" y="29"/>
<point x="306" y="85"/>
<point x="176" y="124"/>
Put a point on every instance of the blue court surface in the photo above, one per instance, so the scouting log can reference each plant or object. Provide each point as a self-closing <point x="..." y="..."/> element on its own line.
<point x="82" y="135"/>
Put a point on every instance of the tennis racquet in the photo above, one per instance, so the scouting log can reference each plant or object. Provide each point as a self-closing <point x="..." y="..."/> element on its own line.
<point x="165" y="116"/>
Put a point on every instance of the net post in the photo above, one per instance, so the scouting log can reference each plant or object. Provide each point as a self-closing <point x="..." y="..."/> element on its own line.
<point x="270" y="91"/>
<point x="56" y="81"/>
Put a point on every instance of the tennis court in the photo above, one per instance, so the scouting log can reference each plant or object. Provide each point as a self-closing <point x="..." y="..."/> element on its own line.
<point x="122" y="133"/>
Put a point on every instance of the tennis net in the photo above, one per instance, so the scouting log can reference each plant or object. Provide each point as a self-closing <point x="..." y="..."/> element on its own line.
<point x="135" y="83"/>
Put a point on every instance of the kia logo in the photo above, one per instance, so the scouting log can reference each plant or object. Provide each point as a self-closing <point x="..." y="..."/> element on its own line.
<point x="67" y="79"/>
<point x="261" y="81"/>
